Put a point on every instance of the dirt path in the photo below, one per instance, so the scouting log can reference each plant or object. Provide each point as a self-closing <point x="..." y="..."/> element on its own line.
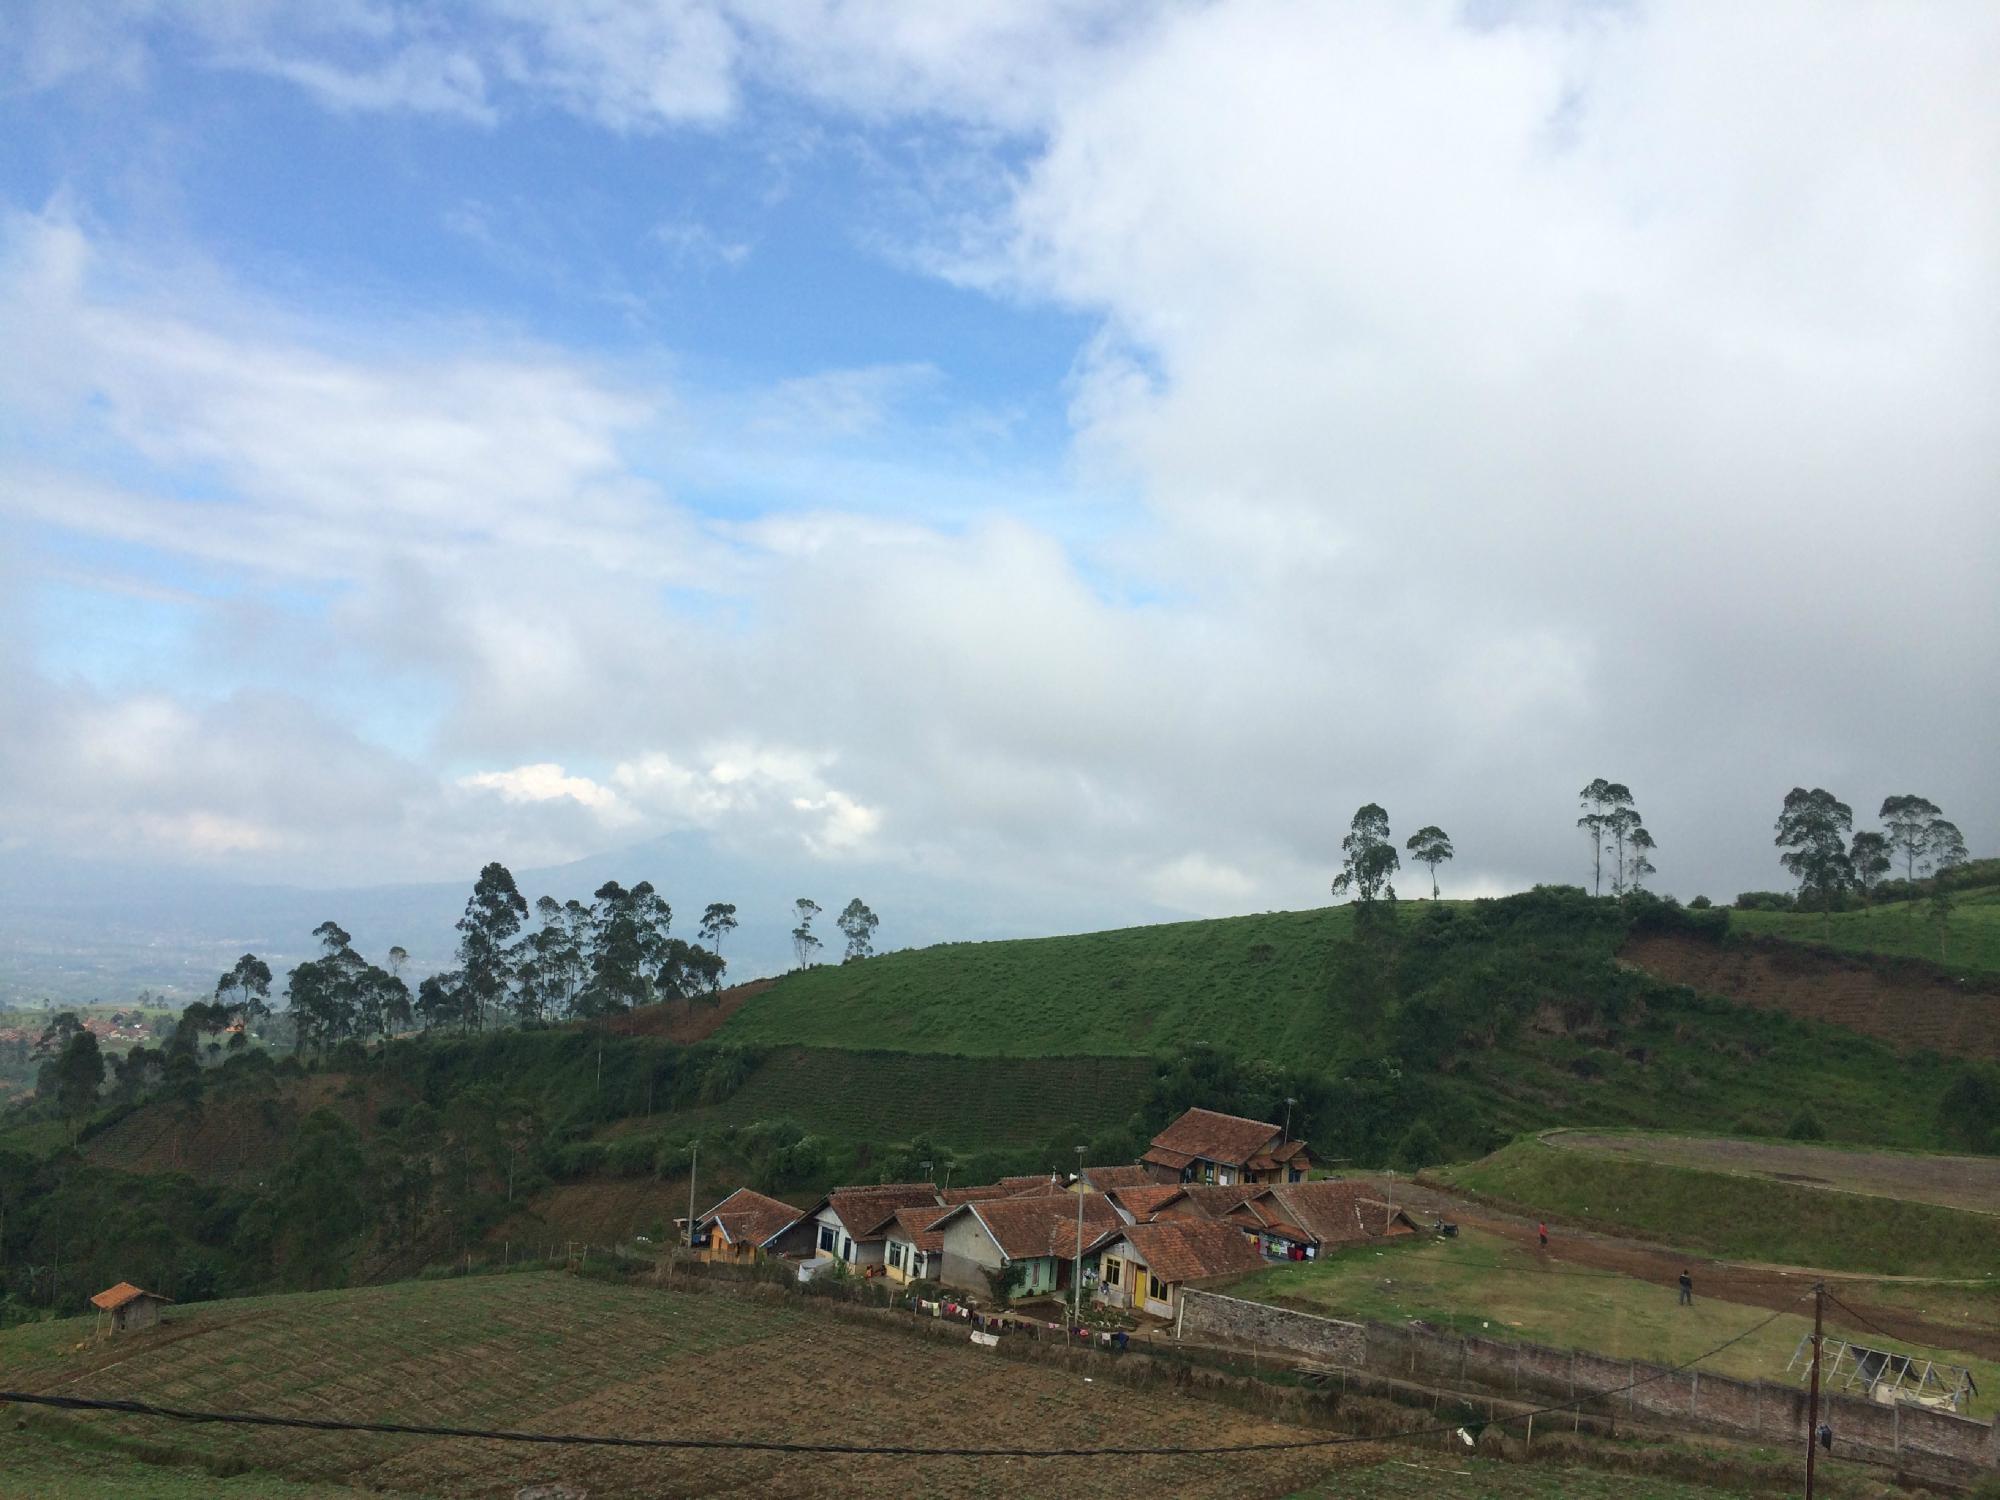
<point x="1748" y="1285"/>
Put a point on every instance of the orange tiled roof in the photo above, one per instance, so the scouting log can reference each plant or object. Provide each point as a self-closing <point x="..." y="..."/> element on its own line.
<point x="865" y="1210"/>
<point x="1106" y="1178"/>
<point x="1027" y="1228"/>
<point x="917" y="1225"/>
<point x="1144" y="1202"/>
<point x="1332" y="1212"/>
<point x="749" y="1217"/>
<point x="1211" y="1136"/>
<point x="117" y="1296"/>
<point x="1194" y="1249"/>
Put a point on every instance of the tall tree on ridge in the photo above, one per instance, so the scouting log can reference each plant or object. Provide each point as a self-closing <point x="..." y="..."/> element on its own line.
<point x="1607" y="815"/>
<point x="1371" y="858"/>
<point x="717" y="922"/>
<point x="1813" y="829"/>
<point x="857" y="924"/>
<point x="493" y="914"/>
<point x="246" y="989"/>
<point x="1907" y="821"/>
<point x="628" y="943"/>
<point x="804" y="944"/>
<point x="1635" y="858"/>
<point x="1431" y="846"/>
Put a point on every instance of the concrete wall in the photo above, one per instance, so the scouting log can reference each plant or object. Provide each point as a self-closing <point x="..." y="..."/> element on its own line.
<point x="1917" y="1441"/>
<point x="969" y="1253"/>
<point x="1320" y="1340"/>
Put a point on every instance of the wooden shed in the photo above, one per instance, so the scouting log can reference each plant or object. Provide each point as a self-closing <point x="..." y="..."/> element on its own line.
<point x="131" y="1307"/>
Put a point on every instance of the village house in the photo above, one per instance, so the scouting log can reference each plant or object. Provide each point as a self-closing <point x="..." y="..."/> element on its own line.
<point x="741" y="1227"/>
<point x="911" y="1246"/>
<point x="1145" y="1267"/>
<point x="1038" y="1233"/>
<point x="1204" y="1146"/>
<point x="850" y="1224"/>
<point x="131" y="1307"/>
<point x="1289" y="1221"/>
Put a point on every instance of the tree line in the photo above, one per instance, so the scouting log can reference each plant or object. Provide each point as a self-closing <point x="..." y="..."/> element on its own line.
<point x="1832" y="861"/>
<point x="571" y="962"/>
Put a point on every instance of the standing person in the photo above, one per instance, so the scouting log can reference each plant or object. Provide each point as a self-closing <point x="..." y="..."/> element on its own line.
<point x="1543" y="1231"/>
<point x="1687" y="1288"/>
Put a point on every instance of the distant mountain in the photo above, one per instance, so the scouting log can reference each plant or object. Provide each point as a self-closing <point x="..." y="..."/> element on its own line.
<point x="74" y="931"/>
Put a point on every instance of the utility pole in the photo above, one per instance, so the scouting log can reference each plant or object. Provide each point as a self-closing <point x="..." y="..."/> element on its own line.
<point x="1812" y="1416"/>
<point x="1289" y="1102"/>
<point x="694" y="1161"/>
<point x="1076" y="1316"/>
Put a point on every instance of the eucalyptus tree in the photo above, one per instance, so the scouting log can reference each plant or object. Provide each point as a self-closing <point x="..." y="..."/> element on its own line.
<point x="1868" y="856"/>
<point x="717" y="922"/>
<point x="1812" y="829"/>
<point x="1608" y="817"/>
<point x="486" y="960"/>
<point x="804" y="944"/>
<point x="1430" y="846"/>
<point x="857" y="924"/>
<point x="1371" y="858"/>
<point x="245" y="988"/>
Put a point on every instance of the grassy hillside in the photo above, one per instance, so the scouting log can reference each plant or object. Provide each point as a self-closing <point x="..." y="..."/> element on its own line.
<point x="1483" y="1019"/>
<point x="1245" y="982"/>
<point x="1741" y="1216"/>
<point x="1904" y="929"/>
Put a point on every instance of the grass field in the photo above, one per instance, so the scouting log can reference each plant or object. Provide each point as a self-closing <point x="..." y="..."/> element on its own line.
<point x="1480" y="1283"/>
<point x="550" y="1351"/>
<point x="1902" y="928"/>
<point x="1743" y="1217"/>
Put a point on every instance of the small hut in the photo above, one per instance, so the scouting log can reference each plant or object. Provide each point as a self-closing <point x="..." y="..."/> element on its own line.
<point x="131" y="1307"/>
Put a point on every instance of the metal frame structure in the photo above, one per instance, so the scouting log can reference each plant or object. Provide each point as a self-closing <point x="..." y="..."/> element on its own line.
<point x="1886" y="1375"/>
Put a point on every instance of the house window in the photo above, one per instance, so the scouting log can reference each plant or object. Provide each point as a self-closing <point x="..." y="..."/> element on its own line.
<point x="1111" y="1269"/>
<point x="896" y="1255"/>
<point x="1208" y="1171"/>
<point x="846" y="1248"/>
<point x="1155" y="1288"/>
<point x="827" y="1238"/>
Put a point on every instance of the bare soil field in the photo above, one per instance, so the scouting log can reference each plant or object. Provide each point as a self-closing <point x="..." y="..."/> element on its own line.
<point x="688" y="1021"/>
<point x="557" y="1353"/>
<point x="1963" y="1182"/>
<point x="1901" y="1005"/>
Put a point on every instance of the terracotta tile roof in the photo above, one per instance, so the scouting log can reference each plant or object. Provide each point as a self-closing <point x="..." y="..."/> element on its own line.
<point x="916" y="1226"/>
<point x="1032" y="1183"/>
<point x="1333" y="1212"/>
<point x="1194" y="1249"/>
<point x="116" y="1297"/>
<point x="1143" y="1202"/>
<point x="1217" y="1137"/>
<point x="1172" y="1160"/>
<point x="749" y="1217"/>
<point x="1215" y="1199"/>
<point x="977" y="1193"/>
<point x="1106" y="1178"/>
<point x="1026" y="1228"/>
<point x="864" y="1210"/>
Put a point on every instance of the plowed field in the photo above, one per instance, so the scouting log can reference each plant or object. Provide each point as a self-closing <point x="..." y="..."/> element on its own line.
<point x="556" y="1353"/>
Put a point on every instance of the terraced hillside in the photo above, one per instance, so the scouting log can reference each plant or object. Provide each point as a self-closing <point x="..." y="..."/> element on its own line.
<point x="1907" y="1006"/>
<point x="970" y="1103"/>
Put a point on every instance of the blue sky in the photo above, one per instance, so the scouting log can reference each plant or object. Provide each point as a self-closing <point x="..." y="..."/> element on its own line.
<point x="1060" y="455"/>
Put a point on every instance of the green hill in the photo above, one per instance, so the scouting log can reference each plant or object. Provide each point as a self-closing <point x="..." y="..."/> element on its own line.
<point x="1903" y="929"/>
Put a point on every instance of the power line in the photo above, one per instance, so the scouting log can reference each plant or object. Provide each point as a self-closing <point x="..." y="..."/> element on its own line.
<point x="756" y="1445"/>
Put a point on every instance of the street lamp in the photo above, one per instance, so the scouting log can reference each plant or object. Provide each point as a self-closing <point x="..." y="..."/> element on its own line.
<point x="1076" y="1297"/>
<point x="694" y="1161"/>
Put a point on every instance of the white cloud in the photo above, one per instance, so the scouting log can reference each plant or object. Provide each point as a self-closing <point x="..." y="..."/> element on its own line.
<point x="545" y="781"/>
